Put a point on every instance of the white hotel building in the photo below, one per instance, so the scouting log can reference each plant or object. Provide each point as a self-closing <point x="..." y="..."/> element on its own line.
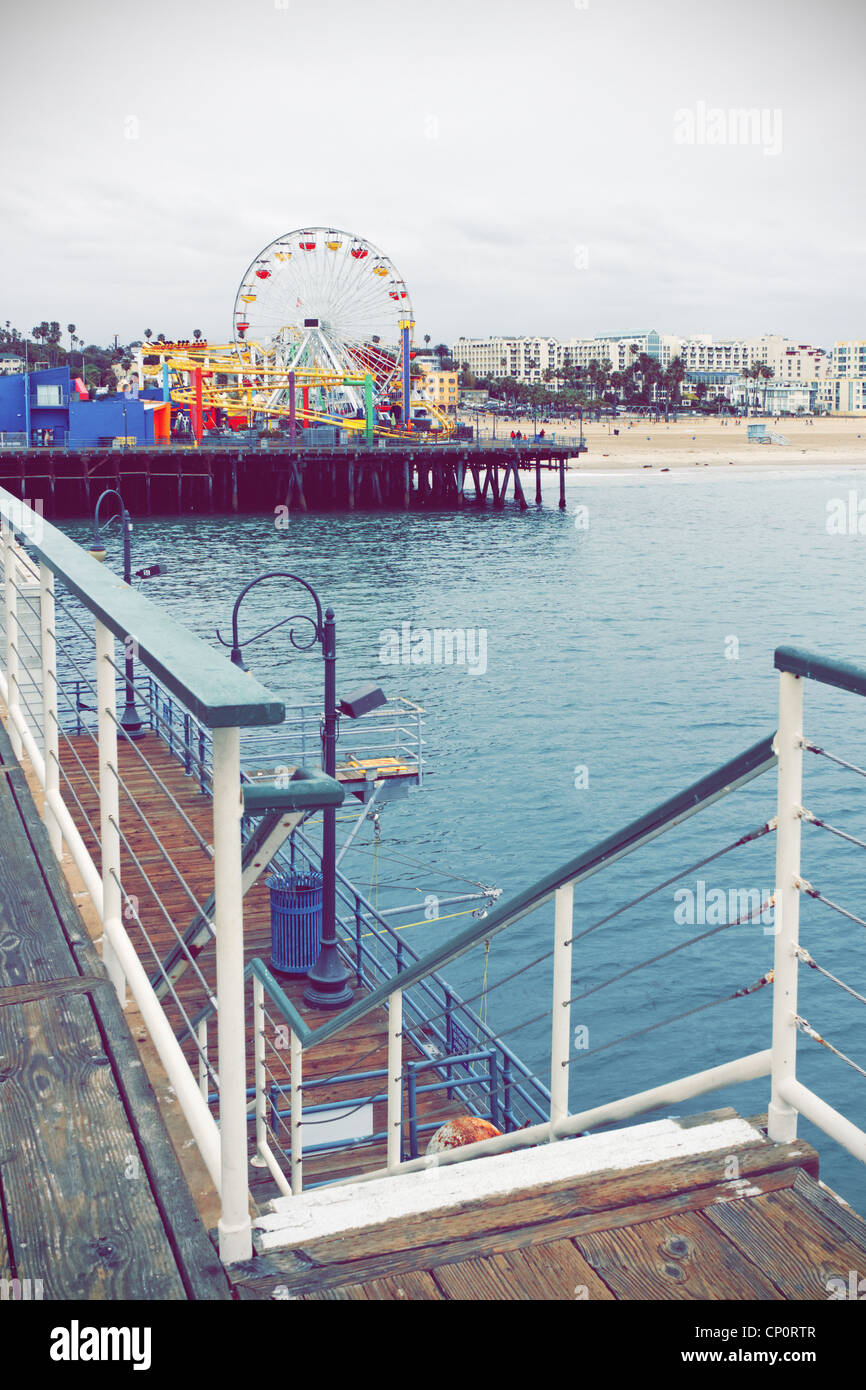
<point x="804" y="377"/>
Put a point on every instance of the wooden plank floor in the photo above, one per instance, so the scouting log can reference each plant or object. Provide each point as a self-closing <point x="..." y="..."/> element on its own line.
<point x="363" y="1047"/>
<point x="92" y="1199"/>
<point x="676" y="1229"/>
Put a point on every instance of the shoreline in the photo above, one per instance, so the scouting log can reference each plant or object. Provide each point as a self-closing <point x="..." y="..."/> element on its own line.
<point x="825" y="442"/>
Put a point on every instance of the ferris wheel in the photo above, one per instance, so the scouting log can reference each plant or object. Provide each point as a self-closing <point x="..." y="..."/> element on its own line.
<point x="322" y="301"/>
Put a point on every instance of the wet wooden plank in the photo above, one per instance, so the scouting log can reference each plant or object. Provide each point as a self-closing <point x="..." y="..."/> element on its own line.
<point x="147" y="1140"/>
<point x="567" y="1198"/>
<point x="79" y="1210"/>
<point x="50" y="989"/>
<point x="831" y="1208"/>
<point x="299" y="1270"/>
<point x="683" y="1257"/>
<point x="791" y="1238"/>
<point x="402" y="1288"/>
<point x="556" y="1270"/>
<point x="30" y="947"/>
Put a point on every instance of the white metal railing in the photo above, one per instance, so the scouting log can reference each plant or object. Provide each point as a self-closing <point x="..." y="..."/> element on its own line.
<point x="778" y="1061"/>
<point x="210" y="688"/>
<point x="789" y="1095"/>
<point x="395" y="991"/>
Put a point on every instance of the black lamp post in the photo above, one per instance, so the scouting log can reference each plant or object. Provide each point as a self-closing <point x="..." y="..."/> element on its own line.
<point x="130" y="721"/>
<point x="328" y="979"/>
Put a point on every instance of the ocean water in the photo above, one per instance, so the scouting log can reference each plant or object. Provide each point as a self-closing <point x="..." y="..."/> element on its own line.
<point x="627" y="650"/>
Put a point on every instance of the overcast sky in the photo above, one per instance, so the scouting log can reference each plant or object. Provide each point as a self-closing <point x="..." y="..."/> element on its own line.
<point x="526" y="165"/>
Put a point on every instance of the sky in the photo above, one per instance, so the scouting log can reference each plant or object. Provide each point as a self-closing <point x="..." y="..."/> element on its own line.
<point x="565" y="167"/>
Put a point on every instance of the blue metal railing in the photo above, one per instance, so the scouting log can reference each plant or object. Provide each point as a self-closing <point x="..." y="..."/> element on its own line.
<point x="369" y="944"/>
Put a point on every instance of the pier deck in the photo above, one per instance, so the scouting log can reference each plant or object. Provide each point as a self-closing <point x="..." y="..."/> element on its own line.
<point x="648" y="1212"/>
<point x="93" y="1201"/>
<point x="362" y="1048"/>
<point x="238" y="478"/>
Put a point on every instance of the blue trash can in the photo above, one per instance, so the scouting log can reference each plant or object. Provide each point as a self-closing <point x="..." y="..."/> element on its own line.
<point x="296" y="921"/>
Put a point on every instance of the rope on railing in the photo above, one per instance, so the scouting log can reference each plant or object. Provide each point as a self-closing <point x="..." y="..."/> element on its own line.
<point x="825" y="825"/>
<point x="191" y="1030"/>
<point x="675" y="1018"/>
<point x="88" y="822"/>
<point x="805" y="1028"/>
<point x="692" y="868"/>
<point x="202" y="842"/>
<point x="672" y="950"/>
<point x="159" y="715"/>
<point x="161" y="905"/>
<point x="807" y="888"/>
<point x="852" y="767"/>
<point x="804" y="956"/>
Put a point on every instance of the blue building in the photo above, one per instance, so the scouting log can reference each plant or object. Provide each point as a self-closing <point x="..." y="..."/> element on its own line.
<point x="45" y="408"/>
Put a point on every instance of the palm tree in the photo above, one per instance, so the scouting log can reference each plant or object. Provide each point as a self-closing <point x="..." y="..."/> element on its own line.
<point x="675" y="376"/>
<point x="196" y="333"/>
<point x="426" y="340"/>
<point x="148" y="333"/>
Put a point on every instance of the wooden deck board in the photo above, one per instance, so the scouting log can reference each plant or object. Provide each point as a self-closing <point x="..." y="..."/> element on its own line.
<point x="785" y="1233"/>
<point x="402" y="1286"/>
<point x="556" y="1270"/>
<point x="93" y="1202"/>
<point x="683" y="1257"/>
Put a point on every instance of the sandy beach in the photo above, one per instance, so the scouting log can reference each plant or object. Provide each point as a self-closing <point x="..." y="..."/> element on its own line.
<point x="702" y="442"/>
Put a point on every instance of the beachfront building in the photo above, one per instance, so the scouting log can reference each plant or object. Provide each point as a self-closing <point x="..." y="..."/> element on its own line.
<point x="10" y="362"/>
<point x="524" y="359"/>
<point x="441" y="389"/>
<point x="541" y="361"/>
<point x="842" y="395"/>
<point x="849" y="358"/>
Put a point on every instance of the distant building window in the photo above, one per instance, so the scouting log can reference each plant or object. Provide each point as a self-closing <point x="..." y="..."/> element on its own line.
<point x="48" y="395"/>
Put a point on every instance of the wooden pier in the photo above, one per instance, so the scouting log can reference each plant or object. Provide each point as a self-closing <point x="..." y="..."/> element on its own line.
<point x="181" y="479"/>
<point x="645" y="1213"/>
<point x="362" y="1048"/>
<point x="93" y="1203"/>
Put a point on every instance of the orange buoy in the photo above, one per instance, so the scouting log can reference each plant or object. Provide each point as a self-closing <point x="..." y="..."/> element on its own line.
<point x="465" y="1129"/>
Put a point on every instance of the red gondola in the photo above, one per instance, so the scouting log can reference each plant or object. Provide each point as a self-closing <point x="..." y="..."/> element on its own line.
<point x="263" y="274"/>
<point x="308" y="245"/>
<point x="359" y="252"/>
<point x="242" y="327"/>
<point x="394" y="294"/>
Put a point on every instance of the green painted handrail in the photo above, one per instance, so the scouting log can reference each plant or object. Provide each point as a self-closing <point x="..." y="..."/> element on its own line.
<point x="845" y="675"/>
<point x="216" y="692"/>
<point x="725" y="779"/>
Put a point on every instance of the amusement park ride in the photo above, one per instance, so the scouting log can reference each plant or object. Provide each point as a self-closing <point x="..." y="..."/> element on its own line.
<point x="322" y="336"/>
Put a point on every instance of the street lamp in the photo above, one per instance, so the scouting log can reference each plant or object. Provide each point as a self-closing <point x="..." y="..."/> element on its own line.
<point x="130" y="721"/>
<point x="328" y="979"/>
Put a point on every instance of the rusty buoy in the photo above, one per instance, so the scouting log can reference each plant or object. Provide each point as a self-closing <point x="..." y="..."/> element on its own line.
<point x="465" y="1129"/>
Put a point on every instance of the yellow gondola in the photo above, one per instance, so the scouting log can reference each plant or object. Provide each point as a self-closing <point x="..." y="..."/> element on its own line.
<point x="380" y="270"/>
<point x="333" y="245"/>
<point x="248" y="298"/>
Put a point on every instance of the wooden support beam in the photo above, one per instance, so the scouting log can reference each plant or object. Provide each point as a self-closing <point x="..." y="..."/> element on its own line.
<point x="518" y="489"/>
<point x="299" y="485"/>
